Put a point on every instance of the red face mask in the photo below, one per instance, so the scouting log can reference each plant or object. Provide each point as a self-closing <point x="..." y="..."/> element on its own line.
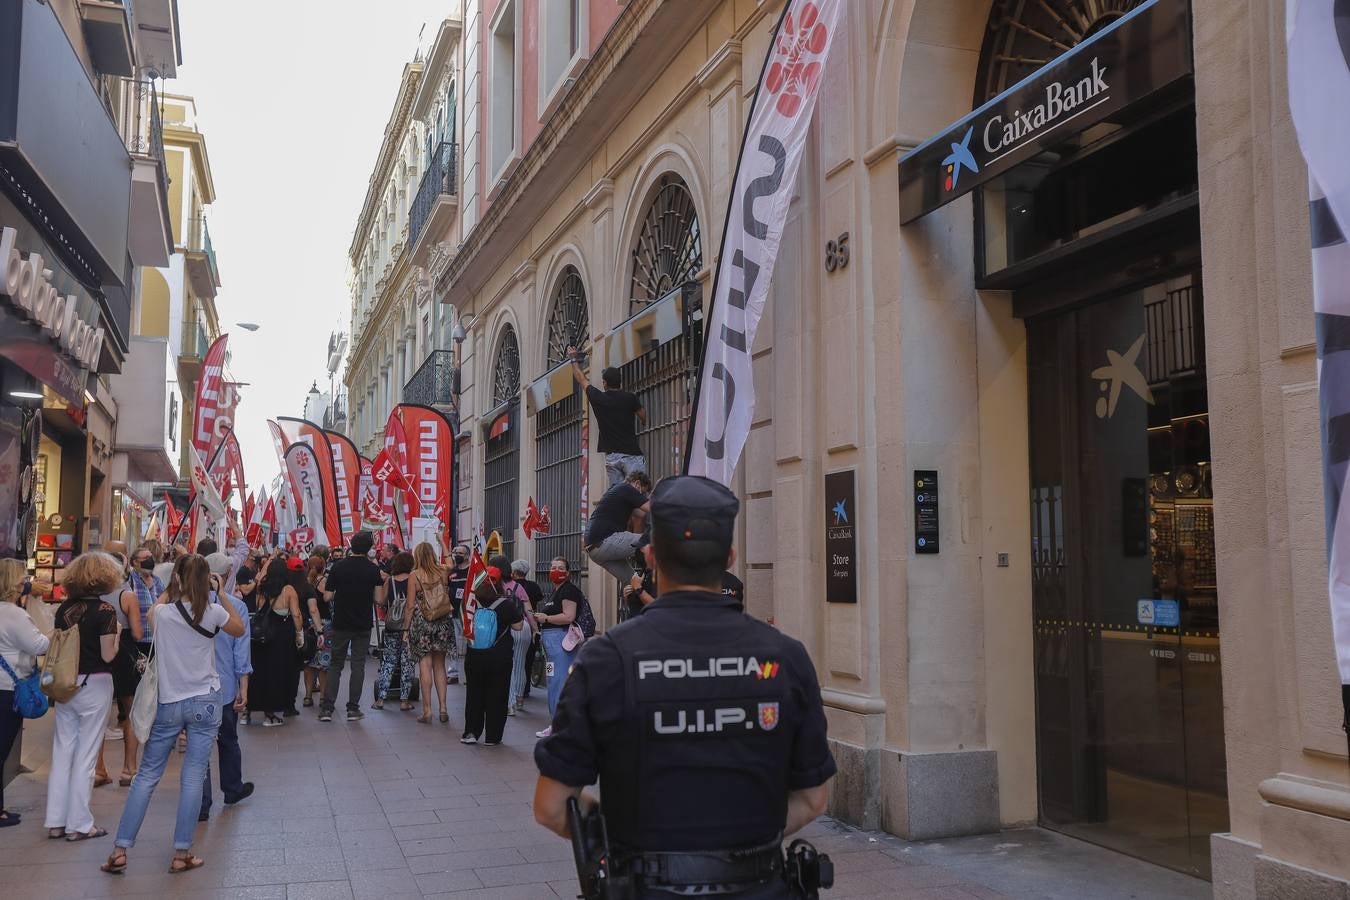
<point x="557" y="577"/>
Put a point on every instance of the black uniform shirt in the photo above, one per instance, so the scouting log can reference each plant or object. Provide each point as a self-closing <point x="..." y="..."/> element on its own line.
<point x="734" y="588"/>
<point x="698" y="721"/>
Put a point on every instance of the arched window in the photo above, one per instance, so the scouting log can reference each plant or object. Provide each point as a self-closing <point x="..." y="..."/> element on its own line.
<point x="1024" y="36"/>
<point x="501" y="459"/>
<point x="669" y="248"/>
<point x="561" y="435"/>
<point x="667" y="255"/>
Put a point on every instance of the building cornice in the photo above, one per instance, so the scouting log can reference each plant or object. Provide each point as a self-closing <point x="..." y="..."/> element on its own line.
<point x="394" y="132"/>
<point x="645" y="37"/>
<point x="195" y="143"/>
<point x="440" y="57"/>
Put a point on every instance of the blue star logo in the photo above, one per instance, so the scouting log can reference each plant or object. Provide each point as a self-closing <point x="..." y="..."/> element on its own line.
<point x="959" y="157"/>
<point x="840" y="514"/>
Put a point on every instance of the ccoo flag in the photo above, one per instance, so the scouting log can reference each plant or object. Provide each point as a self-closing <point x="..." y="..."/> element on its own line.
<point x="1319" y="99"/>
<point x="211" y="402"/>
<point x="771" y="153"/>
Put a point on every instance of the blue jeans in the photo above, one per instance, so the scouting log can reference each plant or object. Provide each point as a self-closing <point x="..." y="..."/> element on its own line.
<point x="201" y="717"/>
<point x="231" y="760"/>
<point x="559" y="664"/>
<point x="619" y="466"/>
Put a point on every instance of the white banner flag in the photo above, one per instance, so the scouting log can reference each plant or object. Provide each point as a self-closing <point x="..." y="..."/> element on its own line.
<point x="303" y="469"/>
<point x="771" y="153"/>
<point x="208" y="498"/>
<point x="1319" y="100"/>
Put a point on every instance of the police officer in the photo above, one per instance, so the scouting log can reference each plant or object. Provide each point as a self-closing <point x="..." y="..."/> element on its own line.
<point x="704" y="726"/>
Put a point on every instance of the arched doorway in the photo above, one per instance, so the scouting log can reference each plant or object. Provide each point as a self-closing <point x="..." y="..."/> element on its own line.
<point x="666" y="258"/>
<point x="501" y="459"/>
<point x="1090" y="220"/>
<point x="560" y="434"/>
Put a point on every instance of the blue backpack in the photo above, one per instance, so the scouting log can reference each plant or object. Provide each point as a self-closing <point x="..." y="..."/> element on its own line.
<point x="29" y="701"/>
<point x="485" y="626"/>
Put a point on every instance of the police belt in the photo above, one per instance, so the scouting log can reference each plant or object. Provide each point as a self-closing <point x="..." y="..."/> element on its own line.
<point x="707" y="870"/>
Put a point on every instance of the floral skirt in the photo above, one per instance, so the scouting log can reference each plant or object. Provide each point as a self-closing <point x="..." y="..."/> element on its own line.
<point x="432" y="637"/>
<point x="324" y="655"/>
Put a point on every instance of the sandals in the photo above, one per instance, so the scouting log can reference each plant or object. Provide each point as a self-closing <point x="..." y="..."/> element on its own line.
<point x="112" y="866"/>
<point x="445" y="717"/>
<point x="8" y="818"/>
<point x="55" y="834"/>
<point x="405" y="705"/>
<point x="308" y="701"/>
<point x="424" y="718"/>
<point x="378" y="704"/>
<point x="101" y="780"/>
<point x="185" y="864"/>
<point x="125" y="780"/>
<point x="76" y="836"/>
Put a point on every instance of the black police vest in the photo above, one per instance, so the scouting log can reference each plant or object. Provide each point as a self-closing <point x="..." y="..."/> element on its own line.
<point x="700" y="759"/>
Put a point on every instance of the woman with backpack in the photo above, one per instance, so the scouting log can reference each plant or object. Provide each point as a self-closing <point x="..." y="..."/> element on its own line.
<point x="557" y="617"/>
<point x="184" y="627"/>
<point x="488" y="660"/>
<point x="277" y="632"/>
<point x="520" y="640"/>
<point x="20" y="645"/>
<point x="431" y="629"/>
<point x="394" y="651"/>
<point x="84" y="644"/>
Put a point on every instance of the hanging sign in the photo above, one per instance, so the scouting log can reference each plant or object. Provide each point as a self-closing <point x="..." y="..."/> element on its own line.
<point x="1137" y="55"/>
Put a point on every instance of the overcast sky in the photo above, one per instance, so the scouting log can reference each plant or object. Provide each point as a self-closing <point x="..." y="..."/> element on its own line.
<point x="293" y="97"/>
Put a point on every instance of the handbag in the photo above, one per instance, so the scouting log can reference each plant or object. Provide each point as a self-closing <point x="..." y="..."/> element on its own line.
<point x="145" y="705"/>
<point x="258" y="626"/>
<point x="434" y="602"/>
<point x="29" y="701"/>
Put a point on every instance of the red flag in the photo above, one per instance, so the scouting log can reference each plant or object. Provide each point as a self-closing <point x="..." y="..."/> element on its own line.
<point x="477" y="572"/>
<point x="206" y="433"/>
<point x="431" y="456"/>
<point x="347" y="478"/>
<point x="249" y="504"/>
<point x="270" y="516"/>
<point x="396" y="444"/>
<point x="314" y="436"/>
<point x="228" y="461"/>
<point x="532" y="520"/>
<point x="174" y="519"/>
<point x="386" y="470"/>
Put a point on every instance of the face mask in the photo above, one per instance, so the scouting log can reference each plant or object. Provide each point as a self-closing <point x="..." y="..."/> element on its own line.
<point x="459" y="558"/>
<point x="148" y="564"/>
<point x="557" y="577"/>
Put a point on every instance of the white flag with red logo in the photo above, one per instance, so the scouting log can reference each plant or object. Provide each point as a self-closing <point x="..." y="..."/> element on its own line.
<point x="770" y="156"/>
<point x="211" y="402"/>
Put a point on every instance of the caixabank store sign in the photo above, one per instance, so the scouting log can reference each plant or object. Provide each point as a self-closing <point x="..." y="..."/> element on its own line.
<point x="1139" y="54"/>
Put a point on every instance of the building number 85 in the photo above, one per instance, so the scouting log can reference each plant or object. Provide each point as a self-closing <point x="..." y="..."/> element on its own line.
<point x="836" y="253"/>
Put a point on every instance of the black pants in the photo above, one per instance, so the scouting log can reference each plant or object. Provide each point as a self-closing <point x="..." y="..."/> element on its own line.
<point x="10" y="723"/>
<point x="231" y="760"/>
<point x="529" y="663"/>
<point x="357" y="643"/>
<point x="489" y="674"/>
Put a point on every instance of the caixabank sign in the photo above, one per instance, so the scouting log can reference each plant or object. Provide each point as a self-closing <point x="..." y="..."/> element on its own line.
<point x="1141" y="53"/>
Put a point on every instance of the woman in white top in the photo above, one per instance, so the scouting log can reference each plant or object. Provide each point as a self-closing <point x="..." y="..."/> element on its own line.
<point x="20" y="644"/>
<point x="184" y="625"/>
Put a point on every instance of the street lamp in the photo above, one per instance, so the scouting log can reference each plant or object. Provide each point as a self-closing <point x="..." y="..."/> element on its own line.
<point x="248" y="326"/>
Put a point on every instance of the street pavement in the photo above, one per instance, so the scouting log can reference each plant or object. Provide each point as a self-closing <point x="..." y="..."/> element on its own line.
<point x="387" y="808"/>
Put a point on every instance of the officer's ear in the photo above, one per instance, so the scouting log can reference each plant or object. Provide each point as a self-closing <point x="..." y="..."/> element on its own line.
<point x="648" y="557"/>
<point x="731" y="558"/>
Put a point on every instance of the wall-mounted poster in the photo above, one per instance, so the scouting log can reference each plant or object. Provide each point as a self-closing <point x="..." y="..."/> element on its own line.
<point x="841" y="544"/>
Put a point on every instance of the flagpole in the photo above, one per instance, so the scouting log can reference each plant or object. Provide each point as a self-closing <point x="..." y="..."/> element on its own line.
<point x="726" y="225"/>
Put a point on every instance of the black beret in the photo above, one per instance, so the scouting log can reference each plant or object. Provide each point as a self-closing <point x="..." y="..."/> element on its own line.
<point x="693" y="508"/>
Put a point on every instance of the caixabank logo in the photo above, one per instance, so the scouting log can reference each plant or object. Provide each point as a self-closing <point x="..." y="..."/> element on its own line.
<point x="959" y="157"/>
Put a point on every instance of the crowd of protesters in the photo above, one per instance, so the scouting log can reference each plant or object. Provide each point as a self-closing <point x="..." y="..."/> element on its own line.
<point x="251" y="637"/>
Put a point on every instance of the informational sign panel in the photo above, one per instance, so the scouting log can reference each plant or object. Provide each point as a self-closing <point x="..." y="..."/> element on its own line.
<point x="925" y="511"/>
<point x="841" y="544"/>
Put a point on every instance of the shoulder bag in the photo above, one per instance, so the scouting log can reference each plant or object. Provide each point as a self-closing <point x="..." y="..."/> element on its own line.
<point x="145" y="705"/>
<point x="29" y="701"/>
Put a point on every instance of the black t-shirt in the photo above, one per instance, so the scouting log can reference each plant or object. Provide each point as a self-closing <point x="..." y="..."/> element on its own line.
<point x="734" y="588"/>
<point x="533" y="591"/>
<point x="508" y="614"/>
<point x="457" y="580"/>
<point x="96" y="618"/>
<point x="353" y="582"/>
<point x="245" y="575"/>
<point x="613" y="511"/>
<point x="615" y="413"/>
<point x="553" y="606"/>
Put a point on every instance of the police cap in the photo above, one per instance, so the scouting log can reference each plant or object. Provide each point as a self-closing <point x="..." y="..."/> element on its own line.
<point x="693" y="508"/>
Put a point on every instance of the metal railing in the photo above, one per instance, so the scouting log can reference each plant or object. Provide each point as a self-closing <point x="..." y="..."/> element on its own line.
<point x="335" y="416"/>
<point x="501" y="478"/>
<point x="199" y="241"/>
<point x="559" y="460"/>
<point x="433" y="384"/>
<point x="145" y="128"/>
<point x="195" y="341"/>
<point x="439" y="179"/>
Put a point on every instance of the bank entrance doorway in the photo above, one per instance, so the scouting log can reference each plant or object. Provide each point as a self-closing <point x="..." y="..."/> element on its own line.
<point x="1129" y="702"/>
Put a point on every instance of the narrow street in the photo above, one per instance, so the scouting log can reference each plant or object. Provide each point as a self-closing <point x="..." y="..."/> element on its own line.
<point x="387" y="808"/>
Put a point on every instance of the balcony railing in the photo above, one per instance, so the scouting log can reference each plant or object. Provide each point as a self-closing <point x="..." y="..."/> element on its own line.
<point x="434" y="383"/>
<point x="199" y="241"/>
<point x="440" y="179"/>
<point x="335" y="416"/>
<point x="195" y="342"/>
<point x="145" y="127"/>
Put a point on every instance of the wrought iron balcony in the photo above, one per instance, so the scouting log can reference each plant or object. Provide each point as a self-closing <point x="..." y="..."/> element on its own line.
<point x="145" y="127"/>
<point x="438" y="181"/>
<point x="201" y="258"/>
<point x="433" y="384"/>
<point x="195" y="340"/>
<point x="335" y="416"/>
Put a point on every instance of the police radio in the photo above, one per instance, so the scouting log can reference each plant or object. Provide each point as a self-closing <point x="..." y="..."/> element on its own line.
<point x="807" y="870"/>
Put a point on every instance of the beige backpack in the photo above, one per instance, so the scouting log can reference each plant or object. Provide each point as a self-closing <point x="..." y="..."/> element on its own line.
<point x="61" y="668"/>
<point x="433" y="602"/>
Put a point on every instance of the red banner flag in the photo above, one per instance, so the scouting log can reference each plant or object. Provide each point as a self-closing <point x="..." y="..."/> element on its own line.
<point x="172" y="517"/>
<point x="314" y="436"/>
<point x="536" y="522"/>
<point x="205" y="435"/>
<point x="431" y="457"/>
<point x="477" y="572"/>
<point x="396" y="445"/>
<point x="386" y="470"/>
<point x="228" y="463"/>
<point x="347" y="478"/>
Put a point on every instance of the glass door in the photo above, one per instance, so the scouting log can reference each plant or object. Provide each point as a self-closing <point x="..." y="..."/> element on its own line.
<point x="1129" y="703"/>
